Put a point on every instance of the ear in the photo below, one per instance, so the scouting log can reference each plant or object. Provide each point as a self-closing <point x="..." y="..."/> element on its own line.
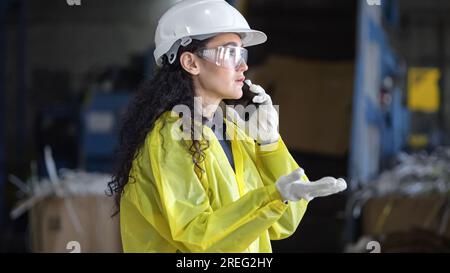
<point x="189" y="62"/>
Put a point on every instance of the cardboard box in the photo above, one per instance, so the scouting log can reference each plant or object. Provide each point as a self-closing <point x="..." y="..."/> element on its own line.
<point x="315" y="99"/>
<point x="52" y="228"/>
<point x="384" y="215"/>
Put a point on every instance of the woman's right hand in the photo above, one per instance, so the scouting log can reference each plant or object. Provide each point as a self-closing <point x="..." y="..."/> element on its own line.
<point x="293" y="187"/>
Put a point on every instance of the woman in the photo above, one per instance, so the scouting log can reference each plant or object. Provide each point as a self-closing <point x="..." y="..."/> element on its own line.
<point x="223" y="190"/>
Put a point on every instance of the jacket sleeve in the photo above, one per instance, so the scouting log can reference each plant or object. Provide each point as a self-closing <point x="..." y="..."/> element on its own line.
<point x="273" y="161"/>
<point x="185" y="206"/>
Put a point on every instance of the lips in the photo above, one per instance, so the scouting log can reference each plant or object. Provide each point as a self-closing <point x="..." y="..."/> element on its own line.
<point x="242" y="79"/>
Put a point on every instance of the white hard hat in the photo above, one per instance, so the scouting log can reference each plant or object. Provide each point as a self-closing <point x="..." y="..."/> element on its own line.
<point x="200" y="19"/>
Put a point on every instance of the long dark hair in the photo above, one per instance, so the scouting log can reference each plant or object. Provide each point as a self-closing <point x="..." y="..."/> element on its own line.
<point x="171" y="85"/>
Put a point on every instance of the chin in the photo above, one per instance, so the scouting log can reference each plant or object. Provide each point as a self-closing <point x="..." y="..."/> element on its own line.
<point x="234" y="94"/>
<point x="238" y="94"/>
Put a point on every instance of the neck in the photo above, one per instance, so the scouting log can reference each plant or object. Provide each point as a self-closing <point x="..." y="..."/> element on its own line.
<point x="209" y="108"/>
<point x="209" y="100"/>
<point x="209" y="104"/>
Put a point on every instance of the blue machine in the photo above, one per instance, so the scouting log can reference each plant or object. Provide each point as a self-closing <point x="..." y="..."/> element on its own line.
<point x="380" y="124"/>
<point x="380" y="119"/>
<point x="100" y="123"/>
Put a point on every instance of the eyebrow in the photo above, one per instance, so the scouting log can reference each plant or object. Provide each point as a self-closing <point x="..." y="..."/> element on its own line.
<point x="232" y="43"/>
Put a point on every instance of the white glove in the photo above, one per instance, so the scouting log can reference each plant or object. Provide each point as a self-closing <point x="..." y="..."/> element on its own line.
<point x="263" y="123"/>
<point x="293" y="188"/>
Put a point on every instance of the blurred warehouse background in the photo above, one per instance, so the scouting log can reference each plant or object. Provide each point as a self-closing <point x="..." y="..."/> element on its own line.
<point x="363" y="88"/>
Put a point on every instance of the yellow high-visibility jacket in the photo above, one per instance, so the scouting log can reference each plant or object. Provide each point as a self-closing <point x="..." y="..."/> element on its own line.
<point x="169" y="207"/>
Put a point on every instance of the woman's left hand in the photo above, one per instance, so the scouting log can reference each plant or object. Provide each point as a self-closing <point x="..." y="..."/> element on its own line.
<point x="263" y="123"/>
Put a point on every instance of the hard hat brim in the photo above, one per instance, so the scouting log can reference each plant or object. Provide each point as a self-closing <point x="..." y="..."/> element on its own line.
<point x="251" y="37"/>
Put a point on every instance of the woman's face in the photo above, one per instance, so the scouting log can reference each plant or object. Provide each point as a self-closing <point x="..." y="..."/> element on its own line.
<point x="218" y="82"/>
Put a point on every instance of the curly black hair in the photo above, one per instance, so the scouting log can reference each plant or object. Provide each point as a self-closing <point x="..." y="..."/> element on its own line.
<point x="171" y="85"/>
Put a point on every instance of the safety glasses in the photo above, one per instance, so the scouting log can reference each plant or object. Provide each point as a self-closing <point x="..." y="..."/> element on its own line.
<point x="225" y="56"/>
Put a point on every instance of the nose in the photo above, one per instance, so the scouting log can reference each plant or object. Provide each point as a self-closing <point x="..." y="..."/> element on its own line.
<point x="242" y="66"/>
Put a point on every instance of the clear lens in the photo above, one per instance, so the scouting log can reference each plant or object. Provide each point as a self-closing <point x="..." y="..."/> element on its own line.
<point x="226" y="56"/>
